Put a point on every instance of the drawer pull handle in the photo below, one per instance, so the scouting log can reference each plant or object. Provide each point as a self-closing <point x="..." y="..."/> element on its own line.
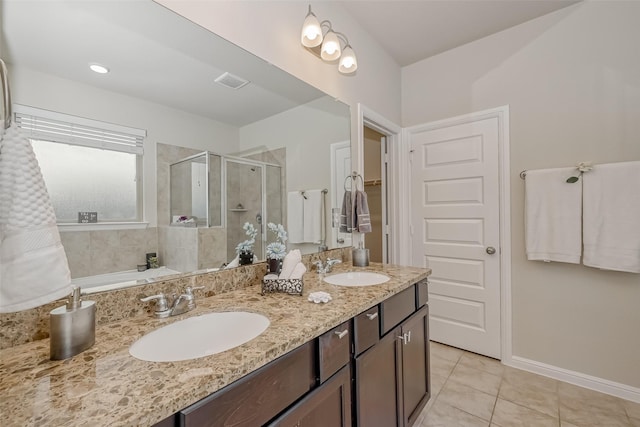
<point x="342" y="334"/>
<point x="372" y="316"/>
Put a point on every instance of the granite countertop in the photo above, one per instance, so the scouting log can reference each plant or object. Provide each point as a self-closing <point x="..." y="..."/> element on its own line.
<point x="105" y="386"/>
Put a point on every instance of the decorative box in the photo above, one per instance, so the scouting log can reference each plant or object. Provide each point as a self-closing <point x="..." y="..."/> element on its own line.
<point x="287" y="286"/>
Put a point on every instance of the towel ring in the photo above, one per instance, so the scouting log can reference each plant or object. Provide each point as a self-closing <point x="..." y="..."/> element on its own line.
<point x="353" y="177"/>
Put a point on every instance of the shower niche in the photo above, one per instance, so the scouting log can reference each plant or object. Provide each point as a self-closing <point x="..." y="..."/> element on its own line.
<point x="213" y="191"/>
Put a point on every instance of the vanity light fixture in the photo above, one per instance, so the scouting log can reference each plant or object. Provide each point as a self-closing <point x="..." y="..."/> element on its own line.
<point x="97" y="68"/>
<point x="330" y="48"/>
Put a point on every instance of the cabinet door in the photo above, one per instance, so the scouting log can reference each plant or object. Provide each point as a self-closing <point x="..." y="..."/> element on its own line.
<point x="415" y="365"/>
<point x="328" y="405"/>
<point x="377" y="383"/>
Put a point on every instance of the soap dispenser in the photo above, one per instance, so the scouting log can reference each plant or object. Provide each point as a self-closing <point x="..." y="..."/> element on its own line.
<point x="360" y="256"/>
<point x="72" y="327"/>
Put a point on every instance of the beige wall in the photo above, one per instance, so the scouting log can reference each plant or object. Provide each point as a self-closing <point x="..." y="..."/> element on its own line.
<point x="572" y="80"/>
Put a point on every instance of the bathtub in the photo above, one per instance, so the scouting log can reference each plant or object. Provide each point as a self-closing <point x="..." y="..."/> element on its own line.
<point x="121" y="279"/>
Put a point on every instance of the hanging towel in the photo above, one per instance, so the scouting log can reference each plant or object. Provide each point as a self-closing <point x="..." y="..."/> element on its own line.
<point x="611" y="217"/>
<point x="312" y="216"/>
<point x="295" y="212"/>
<point x="363" y="219"/>
<point x="347" y="223"/>
<point x="553" y="216"/>
<point x="33" y="264"/>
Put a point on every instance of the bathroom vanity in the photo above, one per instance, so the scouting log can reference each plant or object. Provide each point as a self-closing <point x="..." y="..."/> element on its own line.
<point x="362" y="359"/>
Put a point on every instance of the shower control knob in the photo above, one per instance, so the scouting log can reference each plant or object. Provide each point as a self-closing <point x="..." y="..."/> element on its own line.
<point x="491" y="250"/>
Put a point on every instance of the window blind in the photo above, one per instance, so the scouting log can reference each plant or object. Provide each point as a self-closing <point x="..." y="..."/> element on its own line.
<point x="52" y="126"/>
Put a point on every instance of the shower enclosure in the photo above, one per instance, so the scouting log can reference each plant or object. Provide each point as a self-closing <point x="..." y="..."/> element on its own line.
<point x="220" y="191"/>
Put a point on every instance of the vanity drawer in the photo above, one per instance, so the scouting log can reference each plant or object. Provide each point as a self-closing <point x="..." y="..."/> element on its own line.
<point x="263" y="394"/>
<point x="366" y="329"/>
<point x="334" y="350"/>
<point x="397" y="308"/>
<point x="422" y="292"/>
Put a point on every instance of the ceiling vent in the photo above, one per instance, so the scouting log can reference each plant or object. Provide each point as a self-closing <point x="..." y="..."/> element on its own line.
<point x="231" y="81"/>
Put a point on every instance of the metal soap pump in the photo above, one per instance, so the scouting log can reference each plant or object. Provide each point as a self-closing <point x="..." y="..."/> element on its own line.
<point x="72" y="327"/>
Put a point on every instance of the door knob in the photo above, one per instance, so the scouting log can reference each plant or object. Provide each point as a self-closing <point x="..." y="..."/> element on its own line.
<point x="491" y="250"/>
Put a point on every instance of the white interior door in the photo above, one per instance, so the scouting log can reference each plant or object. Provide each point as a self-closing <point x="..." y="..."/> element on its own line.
<point x="456" y="230"/>
<point x="340" y="169"/>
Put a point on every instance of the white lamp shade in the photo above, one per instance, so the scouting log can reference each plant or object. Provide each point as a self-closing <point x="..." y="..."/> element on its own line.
<point x="348" y="62"/>
<point x="330" y="47"/>
<point x="311" y="31"/>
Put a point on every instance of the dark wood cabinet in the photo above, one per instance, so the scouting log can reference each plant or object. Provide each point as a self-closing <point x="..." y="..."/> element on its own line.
<point x="328" y="405"/>
<point x="416" y="386"/>
<point x="377" y="381"/>
<point x="392" y="380"/>
<point x="334" y="350"/>
<point x="255" y="399"/>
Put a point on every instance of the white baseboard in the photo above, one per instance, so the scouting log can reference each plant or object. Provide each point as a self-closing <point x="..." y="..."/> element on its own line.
<point x="623" y="391"/>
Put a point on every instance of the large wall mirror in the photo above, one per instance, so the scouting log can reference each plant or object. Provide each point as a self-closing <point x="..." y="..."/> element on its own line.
<point x="264" y="143"/>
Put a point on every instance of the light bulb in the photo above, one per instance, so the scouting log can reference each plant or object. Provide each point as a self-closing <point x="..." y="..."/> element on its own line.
<point x="330" y="47"/>
<point x="97" y="68"/>
<point x="311" y="31"/>
<point x="348" y="62"/>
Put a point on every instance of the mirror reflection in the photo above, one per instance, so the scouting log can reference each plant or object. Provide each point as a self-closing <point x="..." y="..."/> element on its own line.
<point x="213" y="157"/>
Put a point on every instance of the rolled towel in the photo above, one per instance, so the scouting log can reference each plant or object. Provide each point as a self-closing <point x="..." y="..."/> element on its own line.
<point x="289" y="263"/>
<point x="298" y="271"/>
<point x="271" y="276"/>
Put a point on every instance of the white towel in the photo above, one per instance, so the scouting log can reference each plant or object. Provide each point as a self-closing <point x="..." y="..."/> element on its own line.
<point x="312" y="216"/>
<point x="298" y="271"/>
<point x="553" y="215"/>
<point x="289" y="263"/>
<point x="295" y="217"/>
<point x="33" y="264"/>
<point x="611" y="217"/>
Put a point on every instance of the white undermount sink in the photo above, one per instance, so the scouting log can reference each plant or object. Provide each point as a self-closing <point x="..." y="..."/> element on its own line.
<point x="356" y="278"/>
<point x="199" y="336"/>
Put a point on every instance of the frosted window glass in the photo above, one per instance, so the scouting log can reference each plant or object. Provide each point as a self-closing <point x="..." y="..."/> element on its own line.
<point x="89" y="179"/>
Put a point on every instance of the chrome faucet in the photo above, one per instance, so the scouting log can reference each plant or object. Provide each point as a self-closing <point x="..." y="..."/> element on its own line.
<point x="181" y="304"/>
<point x="326" y="268"/>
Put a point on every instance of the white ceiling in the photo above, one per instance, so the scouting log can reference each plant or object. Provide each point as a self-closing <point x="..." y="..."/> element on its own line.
<point x="414" y="30"/>
<point x="177" y="67"/>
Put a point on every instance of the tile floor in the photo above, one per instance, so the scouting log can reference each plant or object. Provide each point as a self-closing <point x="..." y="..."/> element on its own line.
<point x="472" y="390"/>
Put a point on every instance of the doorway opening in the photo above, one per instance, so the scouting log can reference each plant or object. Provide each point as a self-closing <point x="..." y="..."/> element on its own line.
<point x="375" y="168"/>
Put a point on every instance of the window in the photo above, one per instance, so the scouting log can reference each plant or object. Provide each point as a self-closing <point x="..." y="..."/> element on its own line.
<point x="87" y="165"/>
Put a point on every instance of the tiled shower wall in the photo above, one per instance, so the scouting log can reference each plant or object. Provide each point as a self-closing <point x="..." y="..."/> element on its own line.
<point x="99" y="252"/>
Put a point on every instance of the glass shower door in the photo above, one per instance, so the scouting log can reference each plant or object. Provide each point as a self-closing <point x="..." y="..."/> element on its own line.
<point x="244" y="203"/>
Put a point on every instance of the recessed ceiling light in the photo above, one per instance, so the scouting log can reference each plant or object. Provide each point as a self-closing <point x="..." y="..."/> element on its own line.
<point x="101" y="69"/>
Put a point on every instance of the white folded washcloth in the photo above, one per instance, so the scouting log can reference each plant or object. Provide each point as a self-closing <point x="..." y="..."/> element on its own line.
<point x="611" y="217"/>
<point x="298" y="271"/>
<point x="271" y="276"/>
<point x="289" y="263"/>
<point x="553" y="215"/>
